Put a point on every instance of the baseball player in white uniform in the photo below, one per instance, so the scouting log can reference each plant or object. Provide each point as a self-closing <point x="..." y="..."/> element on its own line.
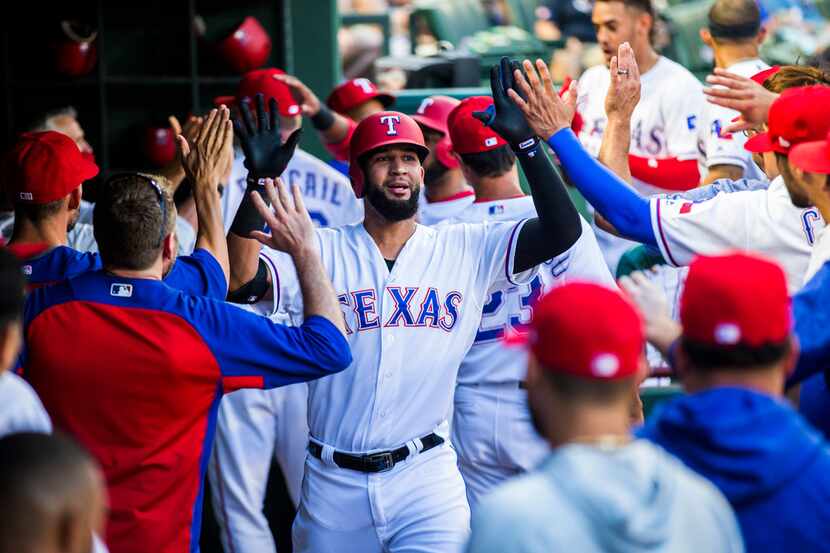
<point x="664" y="126"/>
<point x="445" y="193"/>
<point x="491" y="426"/>
<point x="254" y="426"/>
<point x="380" y="475"/>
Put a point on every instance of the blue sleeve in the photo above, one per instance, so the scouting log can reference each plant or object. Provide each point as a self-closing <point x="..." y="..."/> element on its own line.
<point x="198" y="274"/>
<point x="728" y="186"/>
<point x="249" y="345"/>
<point x="614" y="199"/>
<point x="811" y="311"/>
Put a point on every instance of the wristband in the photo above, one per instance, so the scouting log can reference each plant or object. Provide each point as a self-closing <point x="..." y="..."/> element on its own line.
<point x="253" y="290"/>
<point x="528" y="148"/>
<point x="247" y="218"/>
<point x="323" y="119"/>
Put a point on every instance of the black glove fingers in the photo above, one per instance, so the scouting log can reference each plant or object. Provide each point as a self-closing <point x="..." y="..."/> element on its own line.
<point x="274" y="118"/>
<point x="247" y="119"/>
<point x="261" y="114"/>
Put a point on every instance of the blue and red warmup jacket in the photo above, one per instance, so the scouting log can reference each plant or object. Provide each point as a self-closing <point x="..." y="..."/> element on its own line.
<point x="135" y="369"/>
<point x="60" y="263"/>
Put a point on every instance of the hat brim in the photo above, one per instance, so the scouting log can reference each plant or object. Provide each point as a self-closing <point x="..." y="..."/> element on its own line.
<point x="429" y="123"/>
<point x="762" y="143"/>
<point x="811" y="156"/>
<point x="87" y="169"/>
<point x="386" y="99"/>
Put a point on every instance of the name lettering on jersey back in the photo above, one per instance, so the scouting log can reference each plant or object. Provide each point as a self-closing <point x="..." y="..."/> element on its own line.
<point x="314" y="185"/>
<point x="414" y="307"/>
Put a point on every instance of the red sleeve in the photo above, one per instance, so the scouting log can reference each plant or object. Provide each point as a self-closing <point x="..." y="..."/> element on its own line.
<point x="668" y="173"/>
<point x="340" y="150"/>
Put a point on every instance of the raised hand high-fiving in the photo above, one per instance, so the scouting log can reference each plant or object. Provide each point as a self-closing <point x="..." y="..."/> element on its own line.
<point x="504" y="116"/>
<point x="266" y="155"/>
<point x="536" y="97"/>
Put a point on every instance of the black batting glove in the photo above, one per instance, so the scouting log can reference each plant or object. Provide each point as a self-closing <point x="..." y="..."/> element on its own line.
<point x="266" y="156"/>
<point x="504" y="116"/>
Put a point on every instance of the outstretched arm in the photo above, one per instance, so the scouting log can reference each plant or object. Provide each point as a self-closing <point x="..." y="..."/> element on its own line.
<point x="266" y="156"/>
<point x="550" y="117"/>
<point x="557" y="226"/>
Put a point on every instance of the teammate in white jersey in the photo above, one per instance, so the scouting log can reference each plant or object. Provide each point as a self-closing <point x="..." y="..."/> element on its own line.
<point x="492" y="429"/>
<point x="664" y="127"/>
<point x="381" y="475"/>
<point x="735" y="34"/>
<point x="445" y="193"/>
<point x="778" y="222"/>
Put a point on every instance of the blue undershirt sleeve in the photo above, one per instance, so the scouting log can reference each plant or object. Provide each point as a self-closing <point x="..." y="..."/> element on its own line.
<point x="611" y="197"/>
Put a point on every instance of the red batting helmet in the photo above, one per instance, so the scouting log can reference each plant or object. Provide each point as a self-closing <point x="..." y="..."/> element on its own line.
<point x="355" y="92"/>
<point x="247" y="47"/>
<point x="382" y="129"/>
<point x="433" y="114"/>
<point x="76" y="53"/>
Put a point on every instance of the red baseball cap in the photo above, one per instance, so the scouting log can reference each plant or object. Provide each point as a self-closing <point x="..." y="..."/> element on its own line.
<point x="351" y="94"/>
<point x="468" y="134"/>
<point x="434" y="112"/>
<point x="813" y="157"/>
<point x="586" y="330"/>
<point x="761" y="76"/>
<point x="795" y="117"/>
<point x="262" y="81"/>
<point x="735" y="299"/>
<point x="46" y="166"/>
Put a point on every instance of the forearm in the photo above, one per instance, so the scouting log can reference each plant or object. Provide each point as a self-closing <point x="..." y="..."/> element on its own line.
<point x="612" y="197"/>
<point x="616" y="141"/>
<point x="243" y="255"/>
<point x="210" y="234"/>
<point x="331" y="126"/>
<point x="318" y="293"/>
<point x="557" y="227"/>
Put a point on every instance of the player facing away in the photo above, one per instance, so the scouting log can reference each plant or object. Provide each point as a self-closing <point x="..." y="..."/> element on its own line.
<point x="491" y="427"/>
<point x="142" y="391"/>
<point x="381" y="475"/>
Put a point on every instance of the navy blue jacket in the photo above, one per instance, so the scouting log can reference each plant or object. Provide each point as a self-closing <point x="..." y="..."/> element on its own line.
<point x="769" y="463"/>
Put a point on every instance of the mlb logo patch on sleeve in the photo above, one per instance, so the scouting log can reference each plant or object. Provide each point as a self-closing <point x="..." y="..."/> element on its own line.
<point x="121" y="290"/>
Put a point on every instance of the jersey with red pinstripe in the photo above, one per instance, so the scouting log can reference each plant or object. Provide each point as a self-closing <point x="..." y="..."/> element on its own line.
<point x="134" y="370"/>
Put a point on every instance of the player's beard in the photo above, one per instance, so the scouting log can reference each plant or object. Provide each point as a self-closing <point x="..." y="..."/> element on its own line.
<point x="393" y="210"/>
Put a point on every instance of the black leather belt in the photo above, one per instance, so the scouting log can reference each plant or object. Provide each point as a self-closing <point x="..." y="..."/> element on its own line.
<point x="375" y="462"/>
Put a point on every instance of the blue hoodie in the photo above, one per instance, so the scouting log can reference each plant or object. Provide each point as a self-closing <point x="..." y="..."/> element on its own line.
<point x="771" y="466"/>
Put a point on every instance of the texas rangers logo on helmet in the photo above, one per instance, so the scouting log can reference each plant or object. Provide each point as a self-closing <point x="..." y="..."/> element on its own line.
<point x="390" y="121"/>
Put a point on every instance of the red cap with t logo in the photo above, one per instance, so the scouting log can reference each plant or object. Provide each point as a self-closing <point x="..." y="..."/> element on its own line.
<point x="795" y="117"/>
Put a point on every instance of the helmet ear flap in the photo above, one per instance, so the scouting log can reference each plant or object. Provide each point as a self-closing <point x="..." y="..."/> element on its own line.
<point x="444" y="153"/>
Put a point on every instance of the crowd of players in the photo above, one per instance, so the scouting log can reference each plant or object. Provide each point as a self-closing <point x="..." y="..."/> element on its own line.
<point x="438" y="361"/>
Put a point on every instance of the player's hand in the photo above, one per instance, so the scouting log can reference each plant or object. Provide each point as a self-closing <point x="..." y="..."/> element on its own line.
<point x="624" y="91"/>
<point x="744" y="95"/>
<point x="661" y="329"/>
<point x="545" y="111"/>
<point x="505" y="117"/>
<point x="266" y="156"/>
<point x="292" y="231"/>
<point x="204" y="156"/>
<point x="309" y="102"/>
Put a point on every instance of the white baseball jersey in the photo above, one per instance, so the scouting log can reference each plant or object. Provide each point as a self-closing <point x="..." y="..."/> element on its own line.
<point x="511" y="306"/>
<point x="327" y="193"/>
<point x="664" y="124"/>
<point x="432" y="213"/>
<point x="408" y="329"/>
<point x="492" y="429"/>
<point x="764" y="221"/>
<point x="718" y="148"/>
<point x="20" y="408"/>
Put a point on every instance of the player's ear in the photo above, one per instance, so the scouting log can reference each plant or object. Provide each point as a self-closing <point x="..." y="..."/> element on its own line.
<point x="706" y="37"/>
<point x="75" y="199"/>
<point x="169" y="246"/>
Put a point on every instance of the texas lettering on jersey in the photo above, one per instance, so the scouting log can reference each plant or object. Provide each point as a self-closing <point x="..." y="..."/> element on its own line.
<point x="413" y="307"/>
